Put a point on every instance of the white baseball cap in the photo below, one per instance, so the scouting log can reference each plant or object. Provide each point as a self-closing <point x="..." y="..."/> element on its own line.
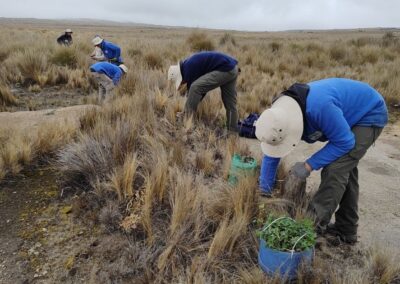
<point x="68" y="31"/>
<point x="97" y="40"/>
<point x="124" y="68"/>
<point x="174" y="74"/>
<point x="280" y="127"/>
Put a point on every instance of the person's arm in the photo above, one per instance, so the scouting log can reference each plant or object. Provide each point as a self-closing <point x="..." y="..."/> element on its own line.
<point x="334" y="126"/>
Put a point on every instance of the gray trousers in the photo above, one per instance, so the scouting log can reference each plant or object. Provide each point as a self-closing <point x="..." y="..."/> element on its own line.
<point x="106" y="86"/>
<point x="227" y="82"/>
<point x="339" y="185"/>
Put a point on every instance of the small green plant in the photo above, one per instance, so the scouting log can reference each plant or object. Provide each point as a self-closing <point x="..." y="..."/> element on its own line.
<point x="286" y="234"/>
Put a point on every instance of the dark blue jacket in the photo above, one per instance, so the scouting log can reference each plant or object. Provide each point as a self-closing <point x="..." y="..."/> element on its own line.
<point x="333" y="107"/>
<point x="202" y="63"/>
<point x="111" y="51"/>
<point x="112" y="71"/>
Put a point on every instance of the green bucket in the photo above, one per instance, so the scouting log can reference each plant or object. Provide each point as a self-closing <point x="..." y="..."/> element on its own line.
<point x="241" y="166"/>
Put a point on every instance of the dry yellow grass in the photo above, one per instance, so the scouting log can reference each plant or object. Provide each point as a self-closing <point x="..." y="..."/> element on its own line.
<point x="6" y="96"/>
<point x="163" y="179"/>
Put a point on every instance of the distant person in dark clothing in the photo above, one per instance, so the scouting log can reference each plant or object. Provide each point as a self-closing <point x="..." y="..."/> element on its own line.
<point x="66" y="38"/>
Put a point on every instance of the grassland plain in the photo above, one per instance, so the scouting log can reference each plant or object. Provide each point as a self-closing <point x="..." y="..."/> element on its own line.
<point x="148" y="193"/>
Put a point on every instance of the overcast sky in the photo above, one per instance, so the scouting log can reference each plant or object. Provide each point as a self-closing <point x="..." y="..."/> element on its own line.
<point x="257" y="15"/>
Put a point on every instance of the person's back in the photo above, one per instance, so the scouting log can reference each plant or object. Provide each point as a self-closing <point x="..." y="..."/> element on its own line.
<point x="359" y="102"/>
<point x="204" y="62"/>
<point x="334" y="106"/>
<point x="112" y="52"/>
<point x="112" y="71"/>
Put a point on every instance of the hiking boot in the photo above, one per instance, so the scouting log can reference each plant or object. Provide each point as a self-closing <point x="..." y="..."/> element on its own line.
<point x="332" y="231"/>
<point x="265" y="194"/>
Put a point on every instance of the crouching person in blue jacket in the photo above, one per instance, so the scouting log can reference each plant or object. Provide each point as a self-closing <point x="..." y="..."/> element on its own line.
<point x="349" y="115"/>
<point x="203" y="72"/>
<point x="107" y="76"/>
<point x="111" y="51"/>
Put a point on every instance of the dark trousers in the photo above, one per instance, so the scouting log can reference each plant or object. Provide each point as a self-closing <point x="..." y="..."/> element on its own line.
<point x="339" y="185"/>
<point x="227" y="82"/>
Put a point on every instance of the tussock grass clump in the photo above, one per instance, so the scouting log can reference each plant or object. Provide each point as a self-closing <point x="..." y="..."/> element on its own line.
<point x="32" y="65"/>
<point x="6" y="96"/>
<point x="275" y="46"/>
<point x="337" y="52"/>
<point x="19" y="149"/>
<point x="135" y="52"/>
<point x="227" y="38"/>
<point x="154" y="60"/>
<point x="65" y="56"/>
<point x="199" y="41"/>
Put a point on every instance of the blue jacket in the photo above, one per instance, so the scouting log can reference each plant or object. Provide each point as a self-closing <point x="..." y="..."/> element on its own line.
<point x="333" y="107"/>
<point x="111" y="51"/>
<point x="202" y="63"/>
<point x="112" y="71"/>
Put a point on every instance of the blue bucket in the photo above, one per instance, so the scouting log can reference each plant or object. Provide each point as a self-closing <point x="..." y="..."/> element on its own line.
<point x="269" y="167"/>
<point x="285" y="263"/>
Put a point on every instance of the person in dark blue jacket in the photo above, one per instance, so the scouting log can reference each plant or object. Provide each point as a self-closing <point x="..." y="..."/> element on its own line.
<point x="203" y="72"/>
<point x="107" y="76"/>
<point x="111" y="51"/>
<point x="348" y="115"/>
<point x="66" y="38"/>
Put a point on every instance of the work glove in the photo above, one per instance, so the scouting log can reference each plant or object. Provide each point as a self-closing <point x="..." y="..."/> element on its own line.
<point x="300" y="171"/>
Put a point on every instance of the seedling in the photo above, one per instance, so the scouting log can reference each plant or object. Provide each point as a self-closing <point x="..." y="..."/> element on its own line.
<point x="286" y="234"/>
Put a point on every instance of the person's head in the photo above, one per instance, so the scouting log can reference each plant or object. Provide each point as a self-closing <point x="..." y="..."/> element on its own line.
<point x="280" y="127"/>
<point x="175" y="75"/>
<point x="123" y="68"/>
<point x="68" y="31"/>
<point x="97" y="40"/>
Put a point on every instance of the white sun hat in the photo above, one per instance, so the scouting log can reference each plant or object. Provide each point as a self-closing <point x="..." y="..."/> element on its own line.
<point x="68" y="31"/>
<point x="124" y="68"/>
<point x="280" y="127"/>
<point x="174" y="73"/>
<point x="97" y="40"/>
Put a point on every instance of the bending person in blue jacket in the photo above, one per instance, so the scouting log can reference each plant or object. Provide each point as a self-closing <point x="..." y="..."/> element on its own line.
<point x="349" y="115"/>
<point x="111" y="51"/>
<point x="107" y="76"/>
<point x="203" y="72"/>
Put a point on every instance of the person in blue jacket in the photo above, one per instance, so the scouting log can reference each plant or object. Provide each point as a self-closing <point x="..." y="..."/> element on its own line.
<point x="203" y="72"/>
<point x="348" y="115"/>
<point x="107" y="76"/>
<point x="111" y="51"/>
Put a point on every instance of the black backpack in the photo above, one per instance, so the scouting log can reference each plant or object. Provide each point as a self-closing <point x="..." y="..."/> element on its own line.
<point x="247" y="127"/>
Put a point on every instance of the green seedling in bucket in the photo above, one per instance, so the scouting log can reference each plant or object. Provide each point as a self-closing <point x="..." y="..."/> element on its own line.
<point x="241" y="166"/>
<point x="285" y="244"/>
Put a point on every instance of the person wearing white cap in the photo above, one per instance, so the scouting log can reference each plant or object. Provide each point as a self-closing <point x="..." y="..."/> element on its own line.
<point x="350" y="116"/>
<point x="66" y="38"/>
<point x="98" y="54"/>
<point x="203" y="72"/>
<point x="111" y="52"/>
<point x="107" y="76"/>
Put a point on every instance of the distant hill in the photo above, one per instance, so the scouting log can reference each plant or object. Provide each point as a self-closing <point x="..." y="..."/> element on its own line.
<point x="99" y="22"/>
<point x="79" y="21"/>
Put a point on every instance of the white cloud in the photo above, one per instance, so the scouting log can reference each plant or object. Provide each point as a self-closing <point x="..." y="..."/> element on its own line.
<point x="233" y="14"/>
